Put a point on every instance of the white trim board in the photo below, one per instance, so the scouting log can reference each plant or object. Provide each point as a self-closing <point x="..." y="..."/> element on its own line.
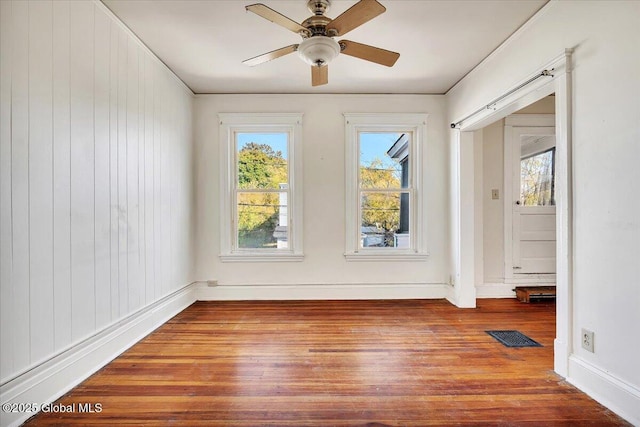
<point x="495" y="290"/>
<point x="51" y="379"/>
<point x="321" y="292"/>
<point x="617" y="395"/>
<point x="506" y="290"/>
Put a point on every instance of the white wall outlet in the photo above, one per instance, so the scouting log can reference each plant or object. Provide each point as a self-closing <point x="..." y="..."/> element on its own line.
<point x="587" y="340"/>
<point x="212" y="283"/>
<point x="495" y="194"/>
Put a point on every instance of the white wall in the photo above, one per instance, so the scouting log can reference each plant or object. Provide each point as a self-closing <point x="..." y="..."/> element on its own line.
<point x="96" y="178"/>
<point x="324" y="192"/>
<point x="606" y="131"/>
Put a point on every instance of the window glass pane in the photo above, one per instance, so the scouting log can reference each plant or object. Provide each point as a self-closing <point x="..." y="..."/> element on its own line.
<point x="385" y="220"/>
<point x="262" y="160"/>
<point x="384" y="160"/>
<point x="537" y="179"/>
<point x="262" y="220"/>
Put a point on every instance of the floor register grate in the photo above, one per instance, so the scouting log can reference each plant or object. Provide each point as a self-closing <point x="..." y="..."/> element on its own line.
<point x="513" y="339"/>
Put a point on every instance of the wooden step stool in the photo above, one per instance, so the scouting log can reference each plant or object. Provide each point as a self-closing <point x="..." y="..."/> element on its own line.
<point x="527" y="293"/>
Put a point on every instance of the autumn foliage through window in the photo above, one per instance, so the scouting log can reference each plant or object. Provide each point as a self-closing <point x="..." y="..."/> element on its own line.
<point x="262" y="187"/>
<point x="384" y="189"/>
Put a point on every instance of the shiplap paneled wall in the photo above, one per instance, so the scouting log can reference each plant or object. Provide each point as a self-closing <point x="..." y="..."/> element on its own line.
<point x="96" y="188"/>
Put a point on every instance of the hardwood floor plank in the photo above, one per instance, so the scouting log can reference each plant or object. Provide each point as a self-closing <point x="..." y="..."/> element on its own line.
<point x="309" y="363"/>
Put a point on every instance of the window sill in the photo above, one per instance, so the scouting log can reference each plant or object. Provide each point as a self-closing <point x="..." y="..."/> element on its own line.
<point x="386" y="256"/>
<point x="257" y="257"/>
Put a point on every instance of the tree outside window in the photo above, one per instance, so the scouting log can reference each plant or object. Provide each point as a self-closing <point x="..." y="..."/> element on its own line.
<point x="262" y="174"/>
<point x="537" y="179"/>
<point x="384" y="189"/>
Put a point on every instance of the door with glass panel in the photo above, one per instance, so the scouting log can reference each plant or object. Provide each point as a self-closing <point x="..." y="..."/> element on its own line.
<point x="533" y="201"/>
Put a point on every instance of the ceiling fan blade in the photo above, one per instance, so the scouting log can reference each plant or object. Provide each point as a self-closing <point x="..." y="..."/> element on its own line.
<point x="356" y="15"/>
<point x="369" y="53"/>
<point x="276" y="17"/>
<point x="319" y="75"/>
<point x="256" y="60"/>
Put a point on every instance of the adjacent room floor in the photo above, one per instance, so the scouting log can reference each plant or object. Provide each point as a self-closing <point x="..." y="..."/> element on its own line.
<point x="326" y="363"/>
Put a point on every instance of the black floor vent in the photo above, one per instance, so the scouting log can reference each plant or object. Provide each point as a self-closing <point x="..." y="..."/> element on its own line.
<point x="513" y="339"/>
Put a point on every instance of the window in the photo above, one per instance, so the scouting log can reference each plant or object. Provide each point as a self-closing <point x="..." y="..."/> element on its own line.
<point x="261" y="216"/>
<point x="384" y="203"/>
<point x="537" y="179"/>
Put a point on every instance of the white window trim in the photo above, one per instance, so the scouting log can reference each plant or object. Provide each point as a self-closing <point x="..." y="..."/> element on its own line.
<point x="231" y="123"/>
<point x="385" y="122"/>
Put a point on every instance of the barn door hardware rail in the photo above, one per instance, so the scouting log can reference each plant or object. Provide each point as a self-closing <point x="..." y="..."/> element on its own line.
<point x="492" y="104"/>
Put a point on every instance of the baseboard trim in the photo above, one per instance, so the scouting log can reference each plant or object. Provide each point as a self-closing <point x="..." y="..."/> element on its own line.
<point x="320" y="292"/>
<point x="617" y="395"/>
<point x="495" y="290"/>
<point x="48" y="381"/>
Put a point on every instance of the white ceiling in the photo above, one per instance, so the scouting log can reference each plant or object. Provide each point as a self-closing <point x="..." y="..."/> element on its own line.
<point x="205" y="41"/>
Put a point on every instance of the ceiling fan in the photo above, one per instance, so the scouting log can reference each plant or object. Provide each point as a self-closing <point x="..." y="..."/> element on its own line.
<point x="318" y="46"/>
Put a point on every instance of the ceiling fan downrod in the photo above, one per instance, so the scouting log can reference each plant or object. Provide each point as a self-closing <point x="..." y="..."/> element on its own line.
<point x="318" y="7"/>
<point x="316" y="24"/>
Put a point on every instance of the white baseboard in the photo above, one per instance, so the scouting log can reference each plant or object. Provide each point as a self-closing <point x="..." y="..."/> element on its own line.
<point x="532" y="279"/>
<point x="617" y="395"/>
<point x="50" y="380"/>
<point x="505" y="290"/>
<point x="495" y="290"/>
<point x="320" y="292"/>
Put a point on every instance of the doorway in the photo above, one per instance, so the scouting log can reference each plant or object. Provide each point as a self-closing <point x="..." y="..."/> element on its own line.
<point x="466" y="253"/>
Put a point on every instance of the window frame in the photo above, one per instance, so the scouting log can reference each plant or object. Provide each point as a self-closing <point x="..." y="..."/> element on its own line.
<point x="416" y="125"/>
<point x="230" y="125"/>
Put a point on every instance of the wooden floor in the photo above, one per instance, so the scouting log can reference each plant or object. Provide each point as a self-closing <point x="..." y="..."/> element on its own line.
<point x="334" y="363"/>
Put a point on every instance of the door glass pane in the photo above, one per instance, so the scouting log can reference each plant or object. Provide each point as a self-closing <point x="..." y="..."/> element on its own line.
<point x="537" y="179"/>
<point x="261" y="160"/>
<point x="384" y="160"/>
<point x="385" y="220"/>
<point x="262" y="220"/>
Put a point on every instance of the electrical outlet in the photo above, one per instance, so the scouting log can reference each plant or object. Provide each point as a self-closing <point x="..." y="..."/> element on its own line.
<point x="587" y="340"/>
<point x="495" y="194"/>
<point x="212" y="283"/>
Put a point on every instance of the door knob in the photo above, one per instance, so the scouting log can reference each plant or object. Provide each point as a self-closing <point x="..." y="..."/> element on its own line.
<point x="518" y="202"/>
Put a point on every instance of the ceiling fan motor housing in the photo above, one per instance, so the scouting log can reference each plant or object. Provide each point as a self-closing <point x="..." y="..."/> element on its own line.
<point x="318" y="50"/>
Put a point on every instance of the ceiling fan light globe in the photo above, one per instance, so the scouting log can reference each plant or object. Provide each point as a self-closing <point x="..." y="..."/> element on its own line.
<point x="318" y="50"/>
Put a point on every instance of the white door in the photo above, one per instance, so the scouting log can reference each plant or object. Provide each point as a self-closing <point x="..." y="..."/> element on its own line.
<point x="533" y="208"/>
<point x="530" y="212"/>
